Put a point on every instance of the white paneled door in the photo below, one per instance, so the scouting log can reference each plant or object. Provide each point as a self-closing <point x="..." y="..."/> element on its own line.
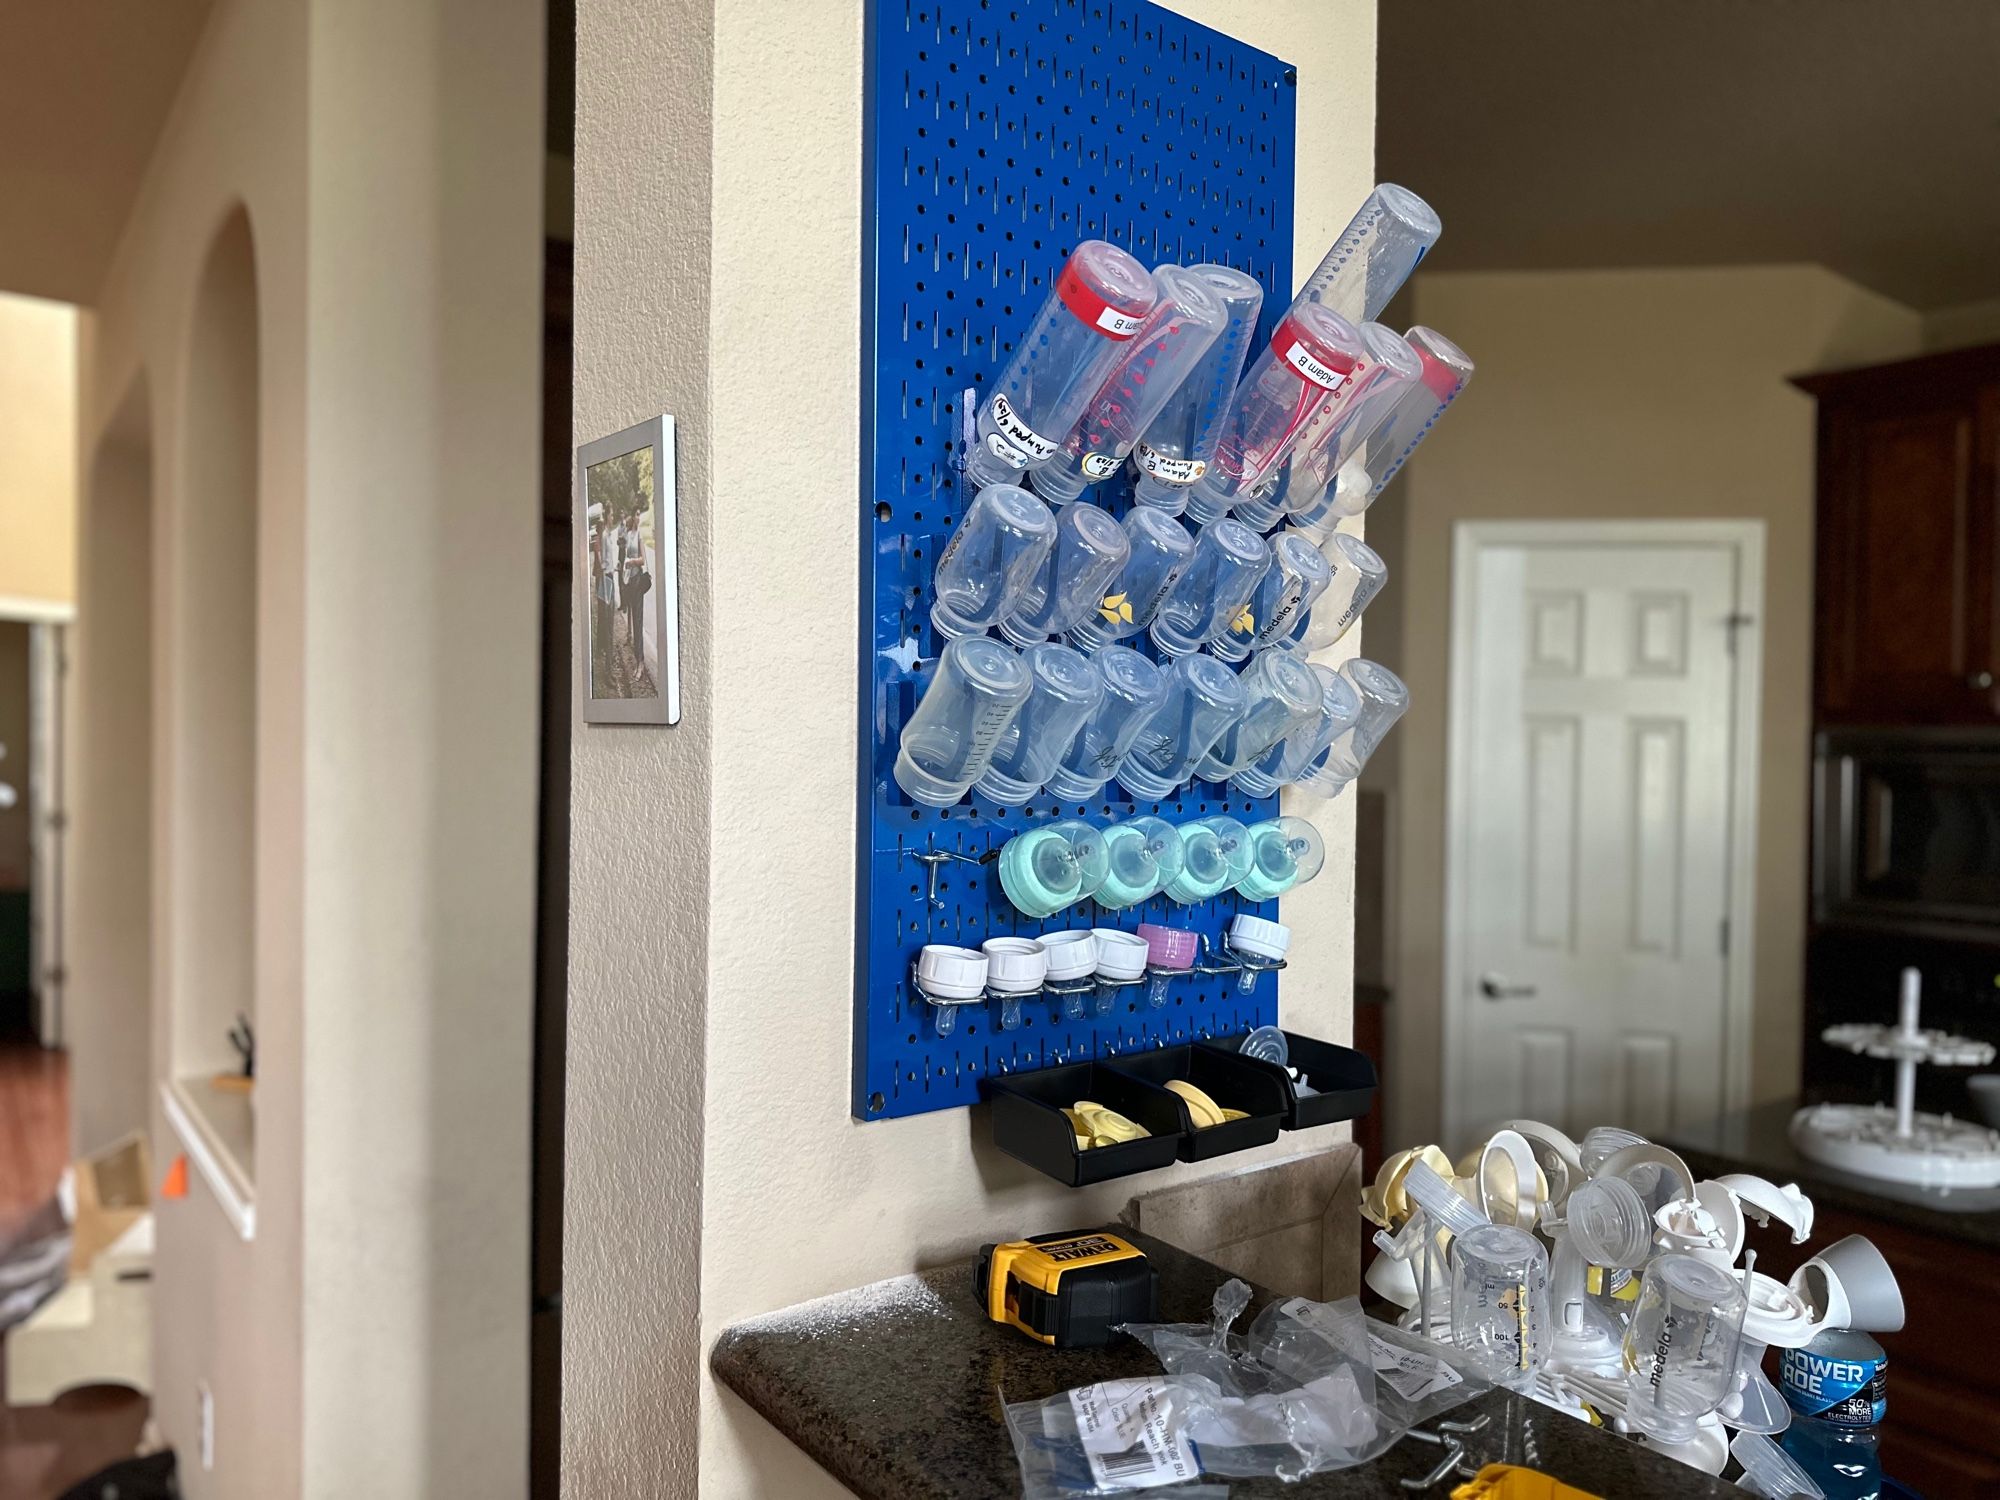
<point x="1596" y="692"/>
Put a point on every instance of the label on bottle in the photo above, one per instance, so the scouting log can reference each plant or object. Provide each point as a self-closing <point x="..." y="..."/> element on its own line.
<point x="1845" y="1392"/>
<point x="1170" y="470"/>
<point x="1100" y="465"/>
<point x="1018" y="443"/>
<point x="1082" y="299"/>
<point x="1289" y="347"/>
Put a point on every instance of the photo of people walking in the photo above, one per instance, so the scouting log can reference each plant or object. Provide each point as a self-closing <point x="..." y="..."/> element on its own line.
<point x="622" y="558"/>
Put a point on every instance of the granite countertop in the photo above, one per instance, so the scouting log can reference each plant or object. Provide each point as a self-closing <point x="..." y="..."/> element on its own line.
<point x="1755" y="1140"/>
<point x="896" y="1390"/>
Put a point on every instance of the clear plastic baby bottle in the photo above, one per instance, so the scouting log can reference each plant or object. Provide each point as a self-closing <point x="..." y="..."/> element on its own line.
<point x="1284" y="852"/>
<point x="1176" y="335"/>
<point x="1680" y="1347"/>
<point x="1179" y="441"/>
<point x="1000" y="544"/>
<point x="1283" y="390"/>
<point x="1445" y="371"/>
<point x="1358" y="575"/>
<point x="1374" y="255"/>
<point x="1500" y="1302"/>
<point x="1298" y="575"/>
<point x="1160" y="548"/>
<point x="1133" y="690"/>
<point x="1366" y="399"/>
<point x="975" y="690"/>
<point x="1383" y="699"/>
<point x="1090" y="550"/>
<point x="1214" y="588"/>
<point x="1063" y="690"/>
<point x="1202" y="697"/>
<point x="1100" y="299"/>
<point x="1280" y="694"/>
<point x="1286" y="761"/>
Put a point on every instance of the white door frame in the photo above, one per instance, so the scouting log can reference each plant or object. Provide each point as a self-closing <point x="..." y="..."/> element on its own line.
<point x="1746" y="538"/>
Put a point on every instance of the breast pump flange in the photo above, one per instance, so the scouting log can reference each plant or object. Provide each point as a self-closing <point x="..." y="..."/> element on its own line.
<point x="1902" y="1144"/>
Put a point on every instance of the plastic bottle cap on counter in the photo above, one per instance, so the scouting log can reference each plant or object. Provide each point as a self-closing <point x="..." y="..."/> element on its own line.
<point x="1120" y="955"/>
<point x="1072" y="954"/>
<point x="1265" y="939"/>
<point x="1015" y="966"/>
<point x="951" y="973"/>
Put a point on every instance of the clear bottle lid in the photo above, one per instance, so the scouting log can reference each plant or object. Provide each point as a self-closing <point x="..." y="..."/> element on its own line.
<point x="1285" y="852"/>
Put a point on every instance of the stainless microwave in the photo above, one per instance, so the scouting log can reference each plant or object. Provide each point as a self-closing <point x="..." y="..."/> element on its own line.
<point x="1906" y="831"/>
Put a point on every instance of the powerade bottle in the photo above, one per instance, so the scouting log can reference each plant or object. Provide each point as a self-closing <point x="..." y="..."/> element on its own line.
<point x="1837" y="1387"/>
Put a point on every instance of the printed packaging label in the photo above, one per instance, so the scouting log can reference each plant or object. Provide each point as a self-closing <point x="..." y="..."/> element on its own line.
<point x="1847" y="1392"/>
<point x="1132" y="1435"/>
<point x="1083" y="300"/>
<point x="1170" y="470"/>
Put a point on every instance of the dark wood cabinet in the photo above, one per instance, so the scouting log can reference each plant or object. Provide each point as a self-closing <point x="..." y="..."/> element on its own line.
<point x="1907" y="612"/>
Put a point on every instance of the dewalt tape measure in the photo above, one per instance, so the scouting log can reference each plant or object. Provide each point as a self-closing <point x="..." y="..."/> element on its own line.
<point x="1068" y="1290"/>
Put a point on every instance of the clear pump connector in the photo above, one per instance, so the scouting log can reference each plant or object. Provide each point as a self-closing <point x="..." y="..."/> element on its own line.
<point x="997" y="549"/>
<point x="1099" y="302"/>
<point x="1159" y="548"/>
<point x="1090" y="550"/>
<point x="1202" y="698"/>
<point x="1281" y="694"/>
<point x="1298" y="575"/>
<point x="1176" y="335"/>
<point x="1285" y="387"/>
<point x="1213" y="590"/>
<point x="1180" y="440"/>
<point x="1367" y="265"/>
<point x="1366" y="399"/>
<point x="1063" y="691"/>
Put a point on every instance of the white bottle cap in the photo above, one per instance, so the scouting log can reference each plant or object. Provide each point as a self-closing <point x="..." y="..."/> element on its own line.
<point x="1255" y="935"/>
<point x="951" y="973"/>
<point x="1014" y="966"/>
<point x="1120" y="955"/>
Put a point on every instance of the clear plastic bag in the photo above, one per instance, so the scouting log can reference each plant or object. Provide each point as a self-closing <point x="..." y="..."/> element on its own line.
<point x="1311" y="1386"/>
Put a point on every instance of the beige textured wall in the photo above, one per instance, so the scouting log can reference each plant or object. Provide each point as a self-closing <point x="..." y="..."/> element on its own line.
<point x="37" y="454"/>
<point x="681" y="837"/>
<point x="373" y="1338"/>
<point x="1619" y="394"/>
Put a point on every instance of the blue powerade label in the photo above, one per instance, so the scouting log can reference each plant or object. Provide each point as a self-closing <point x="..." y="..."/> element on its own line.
<point x="1848" y="1392"/>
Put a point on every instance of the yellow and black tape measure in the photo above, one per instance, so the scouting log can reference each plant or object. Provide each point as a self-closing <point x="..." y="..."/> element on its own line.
<point x="1068" y="1290"/>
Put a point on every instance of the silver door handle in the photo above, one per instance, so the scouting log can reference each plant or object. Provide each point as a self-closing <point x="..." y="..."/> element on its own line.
<point x="1493" y="987"/>
<point x="1979" y="682"/>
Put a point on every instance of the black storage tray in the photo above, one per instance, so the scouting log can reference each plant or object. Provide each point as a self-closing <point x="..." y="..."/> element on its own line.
<point x="1232" y="1081"/>
<point x="1030" y="1126"/>
<point x="1344" y="1077"/>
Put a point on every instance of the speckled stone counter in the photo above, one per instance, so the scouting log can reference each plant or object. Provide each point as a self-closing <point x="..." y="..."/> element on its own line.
<point x="896" y="1390"/>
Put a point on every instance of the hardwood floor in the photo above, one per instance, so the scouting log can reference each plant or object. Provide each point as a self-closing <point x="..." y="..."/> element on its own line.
<point x="34" y="1129"/>
<point x="46" y="1449"/>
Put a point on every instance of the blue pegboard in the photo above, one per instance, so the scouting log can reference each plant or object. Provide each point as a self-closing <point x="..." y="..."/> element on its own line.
<point x="1000" y="133"/>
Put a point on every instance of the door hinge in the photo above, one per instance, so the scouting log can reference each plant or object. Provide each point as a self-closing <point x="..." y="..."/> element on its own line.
<point x="1724" y="937"/>
<point x="1733" y="622"/>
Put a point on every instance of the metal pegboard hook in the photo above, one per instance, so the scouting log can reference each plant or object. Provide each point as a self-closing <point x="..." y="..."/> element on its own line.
<point x="934" y="857"/>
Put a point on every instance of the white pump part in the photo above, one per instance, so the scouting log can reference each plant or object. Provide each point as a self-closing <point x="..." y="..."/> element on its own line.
<point x="1708" y="1225"/>
<point x="1776" y="1316"/>
<point x="1765" y="1201"/>
<point x="1559" y="1157"/>
<point x="1511" y="1187"/>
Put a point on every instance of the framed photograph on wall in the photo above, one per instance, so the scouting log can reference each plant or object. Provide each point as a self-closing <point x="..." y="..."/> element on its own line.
<point x="628" y="577"/>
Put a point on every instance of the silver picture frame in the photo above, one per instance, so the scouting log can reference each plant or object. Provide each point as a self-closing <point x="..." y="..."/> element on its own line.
<point x="628" y="577"/>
